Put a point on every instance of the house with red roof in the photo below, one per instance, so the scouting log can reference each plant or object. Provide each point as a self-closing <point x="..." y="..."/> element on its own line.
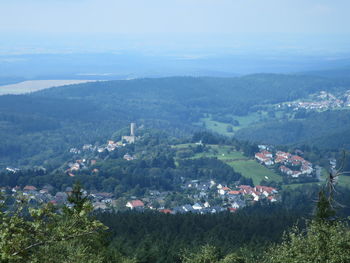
<point x="285" y="170"/>
<point x="256" y="195"/>
<point x="246" y="189"/>
<point x="264" y="157"/>
<point x="267" y="154"/>
<point x="224" y="190"/>
<point x="135" y="204"/>
<point x="266" y="190"/>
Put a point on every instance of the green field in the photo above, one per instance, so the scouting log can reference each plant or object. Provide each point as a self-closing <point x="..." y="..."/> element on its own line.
<point x="216" y="126"/>
<point x="222" y="152"/>
<point x="244" y="122"/>
<point x="247" y="167"/>
<point x="256" y="171"/>
<point x="220" y="127"/>
<point x="344" y="180"/>
<point x="250" y="168"/>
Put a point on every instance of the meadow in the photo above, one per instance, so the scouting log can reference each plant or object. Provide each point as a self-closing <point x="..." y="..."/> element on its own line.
<point x="249" y="168"/>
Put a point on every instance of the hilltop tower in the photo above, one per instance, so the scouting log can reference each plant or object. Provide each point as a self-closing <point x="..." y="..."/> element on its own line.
<point x="132" y="129"/>
<point x="131" y="138"/>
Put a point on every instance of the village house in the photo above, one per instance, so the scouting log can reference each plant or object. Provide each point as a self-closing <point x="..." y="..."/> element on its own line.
<point x="224" y="190"/>
<point x="282" y="157"/>
<point x="12" y="170"/>
<point x="128" y="157"/>
<point x="74" y="151"/>
<point x="264" y="157"/>
<point x="88" y="147"/>
<point x="135" y="204"/>
<point x="246" y="189"/>
<point x="266" y="190"/>
<point x="256" y="195"/>
<point x="285" y="170"/>
<point x="272" y="199"/>
<point x="197" y="206"/>
<point x="306" y="169"/>
<point x="29" y="188"/>
<point x="296" y="174"/>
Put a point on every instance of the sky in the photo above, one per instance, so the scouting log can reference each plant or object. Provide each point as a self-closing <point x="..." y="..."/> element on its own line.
<point x="136" y="23"/>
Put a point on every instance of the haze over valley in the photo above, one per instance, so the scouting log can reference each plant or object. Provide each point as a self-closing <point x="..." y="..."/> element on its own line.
<point x="174" y="131"/>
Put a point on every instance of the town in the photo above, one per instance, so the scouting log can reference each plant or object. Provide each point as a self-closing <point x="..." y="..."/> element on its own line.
<point x="190" y="195"/>
<point x="207" y="197"/>
<point x="321" y="101"/>
<point x="287" y="164"/>
<point x="196" y="196"/>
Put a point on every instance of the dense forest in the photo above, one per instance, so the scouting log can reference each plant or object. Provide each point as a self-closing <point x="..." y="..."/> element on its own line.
<point x="326" y="130"/>
<point x="39" y="128"/>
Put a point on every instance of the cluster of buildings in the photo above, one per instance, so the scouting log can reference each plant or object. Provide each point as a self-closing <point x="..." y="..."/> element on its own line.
<point x="322" y="101"/>
<point x="287" y="163"/>
<point x="12" y="169"/>
<point x="81" y="164"/>
<point x="202" y="195"/>
<point x="37" y="197"/>
<point x="110" y="146"/>
<point x="249" y="193"/>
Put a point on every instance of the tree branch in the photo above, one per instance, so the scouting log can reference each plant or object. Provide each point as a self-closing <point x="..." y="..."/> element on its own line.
<point x="53" y="241"/>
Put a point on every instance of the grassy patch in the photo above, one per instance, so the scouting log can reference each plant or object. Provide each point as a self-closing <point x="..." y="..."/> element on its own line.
<point x="242" y="164"/>
<point x="244" y="122"/>
<point x="254" y="170"/>
<point x="294" y="186"/>
<point x="222" y="152"/>
<point x="216" y="126"/>
<point x="344" y="180"/>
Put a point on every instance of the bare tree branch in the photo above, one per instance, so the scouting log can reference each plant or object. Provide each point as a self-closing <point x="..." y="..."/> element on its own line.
<point x="53" y="241"/>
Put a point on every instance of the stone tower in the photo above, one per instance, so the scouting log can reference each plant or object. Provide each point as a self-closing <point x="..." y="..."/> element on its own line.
<point x="132" y="129"/>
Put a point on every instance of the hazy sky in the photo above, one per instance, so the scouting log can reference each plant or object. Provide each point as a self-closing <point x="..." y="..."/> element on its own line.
<point x="177" y="16"/>
<point x="142" y="18"/>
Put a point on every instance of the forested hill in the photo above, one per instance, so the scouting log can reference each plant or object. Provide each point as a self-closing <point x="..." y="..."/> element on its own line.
<point x="204" y="94"/>
<point x="327" y="130"/>
<point x="42" y="125"/>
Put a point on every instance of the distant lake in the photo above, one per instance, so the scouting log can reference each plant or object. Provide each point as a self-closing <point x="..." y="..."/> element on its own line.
<point x="35" y="85"/>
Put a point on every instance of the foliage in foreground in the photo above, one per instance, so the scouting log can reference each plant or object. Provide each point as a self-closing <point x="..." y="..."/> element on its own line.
<point x="50" y="235"/>
<point x="323" y="242"/>
<point x="73" y="235"/>
<point x="210" y="254"/>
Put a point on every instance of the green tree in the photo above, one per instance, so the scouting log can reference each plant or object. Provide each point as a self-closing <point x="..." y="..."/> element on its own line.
<point x="46" y="234"/>
<point x="210" y="254"/>
<point x="322" y="243"/>
<point x="324" y="210"/>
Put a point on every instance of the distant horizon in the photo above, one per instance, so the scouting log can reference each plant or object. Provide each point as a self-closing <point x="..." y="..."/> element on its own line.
<point x="61" y="38"/>
<point x="166" y="44"/>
